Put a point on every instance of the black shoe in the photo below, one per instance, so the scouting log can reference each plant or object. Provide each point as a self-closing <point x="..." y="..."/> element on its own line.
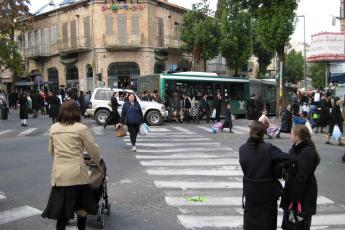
<point x="104" y="125"/>
<point x="278" y="136"/>
<point x="81" y="223"/>
<point x="328" y="143"/>
<point x="25" y="125"/>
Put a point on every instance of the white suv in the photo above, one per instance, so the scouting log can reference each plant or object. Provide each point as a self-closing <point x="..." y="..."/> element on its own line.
<point x="100" y="107"/>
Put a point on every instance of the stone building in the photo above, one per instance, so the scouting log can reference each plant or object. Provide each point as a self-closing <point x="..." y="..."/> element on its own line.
<point x="88" y="43"/>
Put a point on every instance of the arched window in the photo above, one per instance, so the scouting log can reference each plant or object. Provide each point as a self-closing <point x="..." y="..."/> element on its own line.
<point x="159" y="67"/>
<point x="123" y="74"/>
<point x="53" y="78"/>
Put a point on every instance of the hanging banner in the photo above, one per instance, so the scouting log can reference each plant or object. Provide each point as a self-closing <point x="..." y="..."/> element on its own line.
<point x="116" y="7"/>
<point x="327" y="47"/>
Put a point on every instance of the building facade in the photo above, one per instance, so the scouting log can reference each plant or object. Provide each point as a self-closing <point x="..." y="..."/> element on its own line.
<point x="91" y="43"/>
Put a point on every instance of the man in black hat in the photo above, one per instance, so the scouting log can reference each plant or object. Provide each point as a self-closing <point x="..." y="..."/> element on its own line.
<point x="251" y="109"/>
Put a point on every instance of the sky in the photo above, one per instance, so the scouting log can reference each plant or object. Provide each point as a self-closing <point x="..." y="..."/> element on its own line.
<point x="318" y="15"/>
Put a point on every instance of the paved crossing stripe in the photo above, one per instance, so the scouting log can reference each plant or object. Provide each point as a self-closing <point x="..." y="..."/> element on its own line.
<point x="193" y="184"/>
<point x="191" y="162"/>
<point x="2" y="196"/>
<point x="46" y="133"/>
<point x="17" y="214"/>
<point x="221" y="201"/>
<point x="245" y="129"/>
<point x="158" y="145"/>
<point x="26" y="132"/>
<point x="236" y="221"/>
<point x="191" y="155"/>
<point x="185" y="150"/>
<point x="126" y="139"/>
<point x="183" y="130"/>
<point x="5" y="131"/>
<point x="159" y="129"/>
<point x="98" y="130"/>
<point x="193" y="172"/>
<point x="207" y="129"/>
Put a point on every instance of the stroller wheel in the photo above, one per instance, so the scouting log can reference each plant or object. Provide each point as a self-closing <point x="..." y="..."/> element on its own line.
<point x="108" y="209"/>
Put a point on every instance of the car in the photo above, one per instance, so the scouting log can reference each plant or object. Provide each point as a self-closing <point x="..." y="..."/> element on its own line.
<point x="100" y="107"/>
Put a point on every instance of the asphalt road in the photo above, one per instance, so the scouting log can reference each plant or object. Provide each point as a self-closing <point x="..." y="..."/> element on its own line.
<point x="150" y="189"/>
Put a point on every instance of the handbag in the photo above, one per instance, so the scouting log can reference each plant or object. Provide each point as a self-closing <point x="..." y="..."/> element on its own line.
<point x="296" y="218"/>
<point x="336" y="134"/>
<point x="144" y="129"/>
<point x="232" y="117"/>
<point x="213" y="113"/>
<point x="120" y="132"/>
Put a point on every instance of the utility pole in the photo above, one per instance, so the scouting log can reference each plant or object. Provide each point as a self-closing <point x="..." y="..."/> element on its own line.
<point x="305" y="54"/>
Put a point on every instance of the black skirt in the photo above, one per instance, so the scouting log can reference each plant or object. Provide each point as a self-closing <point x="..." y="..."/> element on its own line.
<point x="65" y="200"/>
<point x="260" y="215"/>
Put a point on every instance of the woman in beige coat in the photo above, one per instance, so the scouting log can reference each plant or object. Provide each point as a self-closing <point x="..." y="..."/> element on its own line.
<point x="70" y="180"/>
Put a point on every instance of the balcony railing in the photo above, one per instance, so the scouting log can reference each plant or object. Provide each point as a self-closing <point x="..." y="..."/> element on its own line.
<point x="80" y="44"/>
<point x="123" y="41"/>
<point x="169" y="42"/>
<point x="40" y="51"/>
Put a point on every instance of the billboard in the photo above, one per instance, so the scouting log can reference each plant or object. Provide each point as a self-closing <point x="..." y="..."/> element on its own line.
<point x="327" y="47"/>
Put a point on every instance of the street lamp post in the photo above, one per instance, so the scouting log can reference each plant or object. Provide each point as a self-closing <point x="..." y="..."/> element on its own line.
<point x="305" y="53"/>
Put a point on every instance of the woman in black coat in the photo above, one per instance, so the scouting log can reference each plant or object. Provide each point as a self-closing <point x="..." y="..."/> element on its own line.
<point x="54" y="106"/>
<point x="217" y="105"/>
<point x="301" y="185"/>
<point x="286" y="124"/>
<point x="336" y="118"/>
<point x="228" y="118"/>
<point x="325" y="116"/>
<point x="260" y="163"/>
<point x="23" y="109"/>
<point x="114" y="116"/>
<point x="251" y="109"/>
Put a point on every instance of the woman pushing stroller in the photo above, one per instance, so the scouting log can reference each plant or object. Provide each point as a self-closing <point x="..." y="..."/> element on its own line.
<point x="70" y="190"/>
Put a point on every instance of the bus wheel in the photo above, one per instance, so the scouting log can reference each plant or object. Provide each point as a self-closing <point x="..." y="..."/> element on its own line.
<point x="154" y="118"/>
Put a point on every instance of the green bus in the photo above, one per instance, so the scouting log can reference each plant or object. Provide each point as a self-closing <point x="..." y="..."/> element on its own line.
<point x="233" y="90"/>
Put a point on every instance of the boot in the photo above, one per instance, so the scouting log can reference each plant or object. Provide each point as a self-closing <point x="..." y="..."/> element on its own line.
<point x="61" y="224"/>
<point x="81" y="222"/>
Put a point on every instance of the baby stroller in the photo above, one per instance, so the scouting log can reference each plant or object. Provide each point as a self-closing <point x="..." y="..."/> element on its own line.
<point x="99" y="182"/>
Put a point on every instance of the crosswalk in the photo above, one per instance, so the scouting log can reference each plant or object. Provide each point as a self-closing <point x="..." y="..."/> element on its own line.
<point x="16" y="213"/>
<point x="236" y="129"/>
<point x="195" y="166"/>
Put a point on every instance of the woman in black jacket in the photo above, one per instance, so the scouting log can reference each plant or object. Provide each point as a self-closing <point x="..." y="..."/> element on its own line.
<point x="260" y="163"/>
<point x="23" y="109"/>
<point x="54" y="106"/>
<point x="335" y="119"/>
<point x="286" y="124"/>
<point x="132" y="115"/>
<point x="114" y="116"/>
<point x="300" y="190"/>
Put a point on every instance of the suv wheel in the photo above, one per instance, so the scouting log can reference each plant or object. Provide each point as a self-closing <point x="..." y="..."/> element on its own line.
<point x="154" y="118"/>
<point x="101" y="116"/>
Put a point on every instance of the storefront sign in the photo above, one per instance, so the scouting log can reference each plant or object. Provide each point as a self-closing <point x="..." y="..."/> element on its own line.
<point x="327" y="47"/>
<point x="116" y="7"/>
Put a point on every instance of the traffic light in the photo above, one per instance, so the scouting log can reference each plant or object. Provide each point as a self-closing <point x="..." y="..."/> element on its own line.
<point x="99" y="76"/>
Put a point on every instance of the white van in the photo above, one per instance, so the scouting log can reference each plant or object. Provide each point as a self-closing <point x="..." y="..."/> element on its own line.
<point x="100" y="107"/>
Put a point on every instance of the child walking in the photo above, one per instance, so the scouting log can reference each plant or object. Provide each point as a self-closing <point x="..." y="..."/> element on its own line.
<point x="228" y="119"/>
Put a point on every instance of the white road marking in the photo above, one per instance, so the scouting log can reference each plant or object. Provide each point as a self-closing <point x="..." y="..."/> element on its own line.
<point x="158" y="145"/>
<point x="46" y="133"/>
<point x="191" y="162"/>
<point x="191" y="155"/>
<point x="245" y="129"/>
<point x="191" y="172"/>
<point x="17" y="214"/>
<point x="185" y="150"/>
<point x="168" y="135"/>
<point x="98" y="130"/>
<point x="26" y="132"/>
<point x="232" y="221"/>
<point x="159" y="129"/>
<point x="207" y="129"/>
<point x="219" y="201"/>
<point x="183" y="130"/>
<point x="234" y="130"/>
<point x="324" y="200"/>
<point x="170" y="140"/>
<point x="198" y="185"/>
<point x="2" y="196"/>
<point x="6" y="131"/>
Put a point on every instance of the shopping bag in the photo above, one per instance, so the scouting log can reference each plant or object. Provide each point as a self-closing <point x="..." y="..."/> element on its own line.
<point x="213" y="113"/>
<point x="307" y="124"/>
<point x="232" y="117"/>
<point x="216" y="127"/>
<point x="272" y="130"/>
<point x="144" y="129"/>
<point x="336" y="134"/>
<point x="120" y="132"/>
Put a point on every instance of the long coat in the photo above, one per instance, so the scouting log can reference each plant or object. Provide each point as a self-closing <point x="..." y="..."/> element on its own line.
<point x="24" y="108"/>
<point x="261" y="189"/>
<point x="286" y="124"/>
<point x="336" y="118"/>
<point x="66" y="144"/>
<point x="301" y="185"/>
<point x="251" y="110"/>
<point x="54" y="106"/>
<point x="325" y="114"/>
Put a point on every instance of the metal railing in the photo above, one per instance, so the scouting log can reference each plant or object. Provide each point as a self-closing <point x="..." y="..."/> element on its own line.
<point x="169" y="41"/>
<point x="123" y="40"/>
<point x="43" y="50"/>
<point x="79" y="43"/>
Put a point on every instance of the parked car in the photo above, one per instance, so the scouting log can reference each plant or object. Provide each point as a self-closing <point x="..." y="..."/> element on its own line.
<point x="100" y="108"/>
